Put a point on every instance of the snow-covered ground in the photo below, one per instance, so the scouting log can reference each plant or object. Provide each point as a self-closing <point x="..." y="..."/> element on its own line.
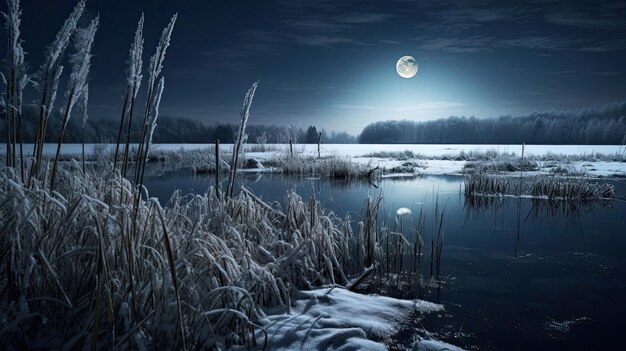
<point x="355" y="150"/>
<point x="430" y="158"/>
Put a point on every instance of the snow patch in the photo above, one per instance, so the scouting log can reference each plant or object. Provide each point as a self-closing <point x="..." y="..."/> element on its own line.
<point x="338" y="319"/>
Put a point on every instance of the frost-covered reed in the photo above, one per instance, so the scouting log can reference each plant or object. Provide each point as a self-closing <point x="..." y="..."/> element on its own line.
<point x="15" y="80"/>
<point x="571" y="189"/>
<point x="77" y="84"/>
<point x="154" y="75"/>
<point x="83" y="112"/>
<point x="133" y="83"/>
<point x="241" y="137"/>
<point x="501" y="156"/>
<point x="196" y="274"/>
<point x="397" y="155"/>
<point x="49" y="77"/>
<point x="336" y="167"/>
<point x="501" y="166"/>
<point x="552" y="188"/>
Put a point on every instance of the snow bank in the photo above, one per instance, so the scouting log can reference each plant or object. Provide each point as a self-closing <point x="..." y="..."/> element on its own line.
<point x="339" y="319"/>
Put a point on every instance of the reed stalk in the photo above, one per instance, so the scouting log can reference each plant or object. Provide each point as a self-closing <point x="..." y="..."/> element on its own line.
<point x="77" y="85"/>
<point x="241" y="137"/>
<point x="133" y="83"/>
<point x="49" y="81"/>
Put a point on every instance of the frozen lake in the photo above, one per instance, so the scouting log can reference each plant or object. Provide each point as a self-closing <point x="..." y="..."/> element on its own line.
<point x="515" y="274"/>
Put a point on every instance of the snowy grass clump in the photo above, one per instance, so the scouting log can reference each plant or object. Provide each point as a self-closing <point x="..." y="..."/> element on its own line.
<point x="583" y="157"/>
<point x="336" y="167"/>
<point x="500" y="166"/>
<point x="552" y="188"/>
<point x="571" y="189"/>
<point x="496" y="155"/>
<point x="194" y="276"/>
<point x="397" y="155"/>
<point x="261" y="147"/>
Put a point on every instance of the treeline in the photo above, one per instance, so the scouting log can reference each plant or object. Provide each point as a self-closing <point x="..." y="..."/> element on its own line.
<point x="170" y="130"/>
<point x="606" y="125"/>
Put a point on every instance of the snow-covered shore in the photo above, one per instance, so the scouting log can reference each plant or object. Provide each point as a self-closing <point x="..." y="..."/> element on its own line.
<point x="355" y="150"/>
<point x="593" y="160"/>
<point x="338" y="319"/>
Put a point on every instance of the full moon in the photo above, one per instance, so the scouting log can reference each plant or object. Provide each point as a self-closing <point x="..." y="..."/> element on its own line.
<point x="406" y="66"/>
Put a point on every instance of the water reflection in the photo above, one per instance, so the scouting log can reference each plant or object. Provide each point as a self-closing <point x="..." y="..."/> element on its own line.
<point x="478" y="205"/>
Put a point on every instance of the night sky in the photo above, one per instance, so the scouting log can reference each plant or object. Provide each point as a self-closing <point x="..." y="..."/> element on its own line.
<point x="332" y="63"/>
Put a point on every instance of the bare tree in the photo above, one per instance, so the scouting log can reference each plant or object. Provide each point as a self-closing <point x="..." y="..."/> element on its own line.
<point x="293" y="131"/>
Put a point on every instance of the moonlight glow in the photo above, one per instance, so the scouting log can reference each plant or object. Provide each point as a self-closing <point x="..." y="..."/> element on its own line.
<point x="406" y="66"/>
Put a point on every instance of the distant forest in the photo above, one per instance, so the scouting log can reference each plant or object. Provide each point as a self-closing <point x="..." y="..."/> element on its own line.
<point x="587" y="126"/>
<point x="170" y="130"/>
<point x="606" y="125"/>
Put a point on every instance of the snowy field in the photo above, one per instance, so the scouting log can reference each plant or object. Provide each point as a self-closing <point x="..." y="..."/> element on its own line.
<point x="595" y="160"/>
<point x="356" y="150"/>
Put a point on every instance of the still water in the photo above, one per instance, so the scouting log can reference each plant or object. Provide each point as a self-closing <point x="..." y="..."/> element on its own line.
<point x="515" y="274"/>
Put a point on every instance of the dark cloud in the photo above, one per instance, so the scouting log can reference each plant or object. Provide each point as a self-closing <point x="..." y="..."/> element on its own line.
<point x="479" y="44"/>
<point x="604" y="16"/>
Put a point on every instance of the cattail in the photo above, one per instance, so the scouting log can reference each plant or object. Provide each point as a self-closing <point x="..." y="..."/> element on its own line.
<point x="50" y="74"/>
<point x="77" y="84"/>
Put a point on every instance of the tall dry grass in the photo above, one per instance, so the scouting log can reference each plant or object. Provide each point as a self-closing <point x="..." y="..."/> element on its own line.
<point x="49" y="78"/>
<point x="195" y="276"/>
<point x="552" y="188"/>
